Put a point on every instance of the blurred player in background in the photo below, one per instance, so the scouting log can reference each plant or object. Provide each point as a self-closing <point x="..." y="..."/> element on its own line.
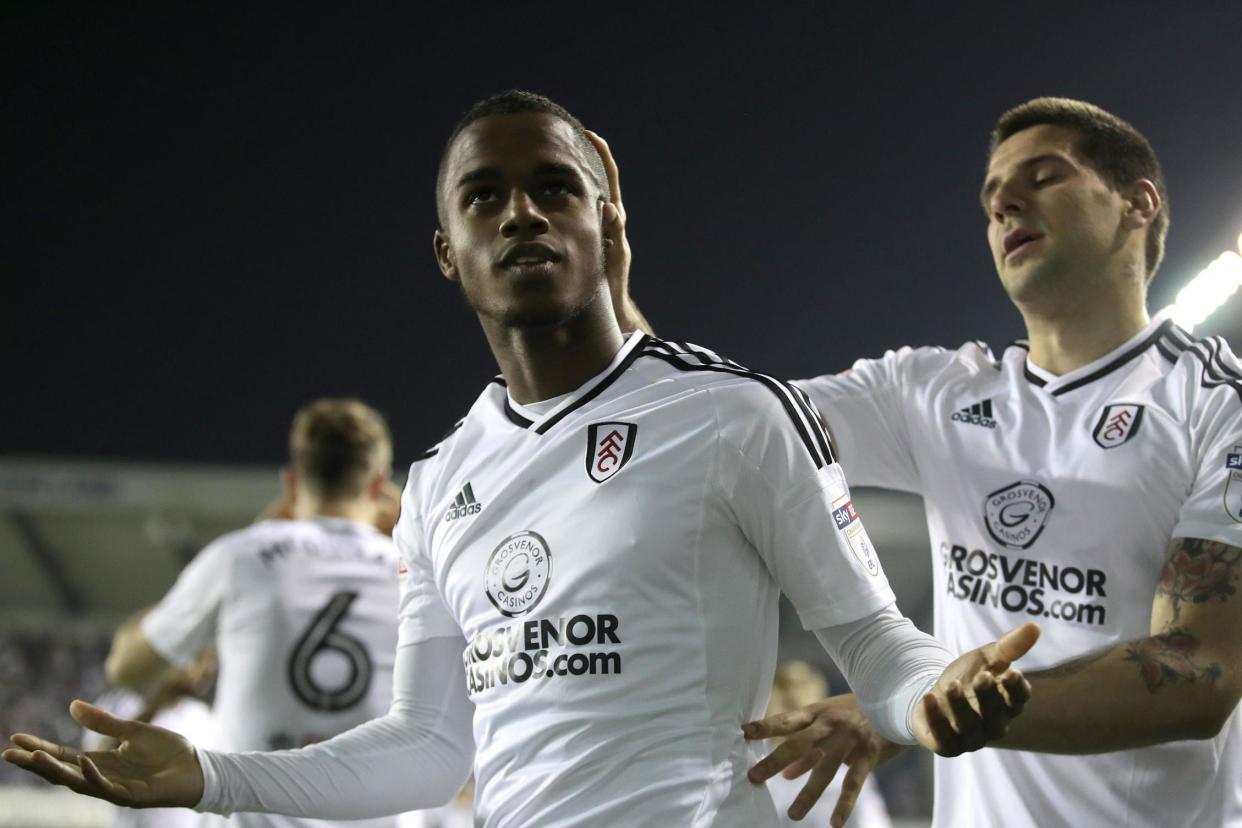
<point x="301" y="606"/>
<point x="621" y="612"/>
<point x="1091" y="477"/>
<point x="797" y="685"/>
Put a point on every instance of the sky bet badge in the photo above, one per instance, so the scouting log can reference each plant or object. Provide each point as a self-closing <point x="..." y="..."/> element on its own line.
<point x="845" y="516"/>
<point x="1233" y="486"/>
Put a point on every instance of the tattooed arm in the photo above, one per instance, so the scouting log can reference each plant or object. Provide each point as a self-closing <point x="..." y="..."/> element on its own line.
<point x="1180" y="682"/>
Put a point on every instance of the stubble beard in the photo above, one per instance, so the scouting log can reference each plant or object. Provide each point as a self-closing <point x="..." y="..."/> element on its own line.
<point x="543" y="316"/>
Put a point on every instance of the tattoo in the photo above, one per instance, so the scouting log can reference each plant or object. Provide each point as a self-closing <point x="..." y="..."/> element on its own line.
<point x="1074" y="665"/>
<point x="1198" y="570"/>
<point x="1170" y="657"/>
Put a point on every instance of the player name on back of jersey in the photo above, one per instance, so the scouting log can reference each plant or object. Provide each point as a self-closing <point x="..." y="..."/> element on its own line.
<point x="280" y="550"/>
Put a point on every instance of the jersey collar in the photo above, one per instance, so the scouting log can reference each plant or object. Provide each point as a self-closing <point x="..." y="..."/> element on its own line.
<point x="1092" y="371"/>
<point x="538" y="420"/>
<point x="343" y="525"/>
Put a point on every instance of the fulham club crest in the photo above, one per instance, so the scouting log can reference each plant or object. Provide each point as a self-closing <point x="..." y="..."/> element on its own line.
<point x="609" y="448"/>
<point x="1117" y="424"/>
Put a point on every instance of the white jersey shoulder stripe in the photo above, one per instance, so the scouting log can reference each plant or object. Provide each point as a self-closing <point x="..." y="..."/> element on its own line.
<point x="806" y="419"/>
<point x="1219" y="366"/>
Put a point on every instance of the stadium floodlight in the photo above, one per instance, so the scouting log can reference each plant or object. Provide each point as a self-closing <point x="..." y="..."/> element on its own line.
<point x="1209" y="290"/>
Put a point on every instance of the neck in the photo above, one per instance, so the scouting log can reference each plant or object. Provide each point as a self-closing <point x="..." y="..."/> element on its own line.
<point x="544" y="361"/>
<point x="361" y="510"/>
<point x="1081" y="330"/>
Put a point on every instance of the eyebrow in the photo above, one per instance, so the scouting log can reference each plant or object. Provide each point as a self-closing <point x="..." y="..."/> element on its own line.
<point x="992" y="183"/>
<point x="492" y="173"/>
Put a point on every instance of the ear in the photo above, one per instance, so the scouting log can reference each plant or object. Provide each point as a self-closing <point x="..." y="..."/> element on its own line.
<point x="445" y="256"/>
<point x="1142" y="203"/>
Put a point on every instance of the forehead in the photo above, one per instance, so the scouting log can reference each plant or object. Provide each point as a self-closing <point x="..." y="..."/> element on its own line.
<point x="513" y="144"/>
<point x="1043" y="139"/>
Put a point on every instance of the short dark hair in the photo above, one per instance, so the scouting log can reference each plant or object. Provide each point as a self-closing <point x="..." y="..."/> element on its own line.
<point x="1113" y="147"/>
<point x="514" y="102"/>
<point x="336" y="445"/>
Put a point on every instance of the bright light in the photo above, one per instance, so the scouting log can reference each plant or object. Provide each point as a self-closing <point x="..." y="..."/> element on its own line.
<point x="1209" y="290"/>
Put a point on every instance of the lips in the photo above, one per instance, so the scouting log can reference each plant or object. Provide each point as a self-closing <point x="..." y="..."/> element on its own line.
<point x="1018" y="238"/>
<point x="528" y="254"/>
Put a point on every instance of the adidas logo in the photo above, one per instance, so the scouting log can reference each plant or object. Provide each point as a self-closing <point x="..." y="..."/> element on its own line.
<point x="979" y="414"/>
<point x="464" y="505"/>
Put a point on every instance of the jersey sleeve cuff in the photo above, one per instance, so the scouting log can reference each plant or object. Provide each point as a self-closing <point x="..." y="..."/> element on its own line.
<point x="210" y="802"/>
<point x="1219" y="533"/>
<point x="843" y="611"/>
<point x="161" y="643"/>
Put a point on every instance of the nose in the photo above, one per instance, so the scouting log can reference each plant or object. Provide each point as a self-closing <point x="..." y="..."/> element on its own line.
<point x="522" y="217"/>
<point x="1006" y="200"/>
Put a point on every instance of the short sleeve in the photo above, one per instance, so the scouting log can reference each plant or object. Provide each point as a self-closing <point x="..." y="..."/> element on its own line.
<point x="422" y="611"/>
<point x="1213" y="508"/>
<point x="793" y="505"/>
<point x="184" y="622"/>
<point x="866" y="409"/>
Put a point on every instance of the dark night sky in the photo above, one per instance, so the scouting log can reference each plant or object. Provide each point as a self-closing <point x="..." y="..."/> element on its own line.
<point x="212" y="216"/>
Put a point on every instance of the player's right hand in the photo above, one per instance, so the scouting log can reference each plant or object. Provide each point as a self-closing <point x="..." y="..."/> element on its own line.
<point x="152" y="767"/>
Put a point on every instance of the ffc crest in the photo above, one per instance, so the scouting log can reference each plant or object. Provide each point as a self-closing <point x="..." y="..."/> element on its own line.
<point x="609" y="448"/>
<point x="1117" y="424"/>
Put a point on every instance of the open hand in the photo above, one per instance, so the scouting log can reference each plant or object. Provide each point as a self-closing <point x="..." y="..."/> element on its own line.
<point x="821" y="737"/>
<point x="152" y="767"/>
<point x="976" y="696"/>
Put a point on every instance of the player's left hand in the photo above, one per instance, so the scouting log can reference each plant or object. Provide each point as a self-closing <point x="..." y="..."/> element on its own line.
<point x="617" y="255"/>
<point x="821" y="737"/>
<point x="976" y="697"/>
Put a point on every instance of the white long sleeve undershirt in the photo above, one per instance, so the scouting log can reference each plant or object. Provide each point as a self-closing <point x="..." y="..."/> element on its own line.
<point x="415" y="756"/>
<point x="889" y="664"/>
<point x="421" y="751"/>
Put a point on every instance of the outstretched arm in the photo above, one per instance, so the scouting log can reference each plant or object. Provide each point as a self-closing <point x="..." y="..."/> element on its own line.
<point x="415" y="756"/>
<point x="1180" y="682"/>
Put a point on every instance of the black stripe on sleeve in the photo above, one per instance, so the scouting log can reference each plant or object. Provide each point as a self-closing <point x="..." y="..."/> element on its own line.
<point x="1220" y="351"/>
<point x="810" y="428"/>
<point x="434" y="450"/>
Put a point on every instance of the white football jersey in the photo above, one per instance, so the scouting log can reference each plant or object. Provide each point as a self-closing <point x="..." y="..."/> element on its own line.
<point x="1053" y="499"/>
<point x="613" y="559"/>
<point x="303" y="616"/>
